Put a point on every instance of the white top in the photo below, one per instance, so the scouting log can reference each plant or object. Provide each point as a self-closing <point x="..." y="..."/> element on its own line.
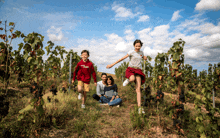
<point x="100" y="88"/>
<point x="135" y="58"/>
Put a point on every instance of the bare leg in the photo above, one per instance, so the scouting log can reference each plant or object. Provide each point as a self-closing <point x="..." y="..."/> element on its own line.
<point x="80" y="89"/>
<point x="138" y="90"/>
<point x="132" y="78"/>
<point x="84" y="97"/>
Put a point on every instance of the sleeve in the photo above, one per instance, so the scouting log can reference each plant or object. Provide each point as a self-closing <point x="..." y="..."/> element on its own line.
<point x="116" y="88"/>
<point x="76" y="71"/>
<point x="142" y="54"/>
<point x="98" y="89"/>
<point x="129" y="53"/>
<point x="93" y="74"/>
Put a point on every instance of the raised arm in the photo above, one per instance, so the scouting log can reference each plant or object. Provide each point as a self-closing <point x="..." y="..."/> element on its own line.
<point x="111" y="65"/>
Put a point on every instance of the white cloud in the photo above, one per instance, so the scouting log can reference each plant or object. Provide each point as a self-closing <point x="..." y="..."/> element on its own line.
<point x="160" y="30"/>
<point x="176" y="15"/>
<point x="156" y="40"/>
<point x="129" y="35"/>
<point x="66" y="20"/>
<point x="152" y="52"/>
<point x="55" y="34"/>
<point x="123" y="13"/>
<point x="149" y="1"/>
<point x="121" y="47"/>
<point x="208" y="5"/>
<point x="195" y="53"/>
<point x="104" y="8"/>
<point x="209" y="28"/>
<point x="143" y="18"/>
<point x="114" y="38"/>
<point x="191" y="24"/>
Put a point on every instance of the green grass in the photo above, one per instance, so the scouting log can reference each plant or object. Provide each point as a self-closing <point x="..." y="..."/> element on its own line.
<point x="66" y="118"/>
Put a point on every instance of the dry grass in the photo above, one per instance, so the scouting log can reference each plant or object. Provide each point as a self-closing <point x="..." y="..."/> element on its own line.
<point x="104" y="121"/>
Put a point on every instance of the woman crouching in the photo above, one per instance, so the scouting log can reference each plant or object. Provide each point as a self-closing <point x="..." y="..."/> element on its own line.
<point x="110" y="97"/>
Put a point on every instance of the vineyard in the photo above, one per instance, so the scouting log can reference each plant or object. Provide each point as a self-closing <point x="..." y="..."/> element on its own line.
<point x="35" y="99"/>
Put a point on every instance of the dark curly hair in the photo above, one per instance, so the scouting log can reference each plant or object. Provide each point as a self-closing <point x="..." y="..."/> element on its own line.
<point x="137" y="41"/>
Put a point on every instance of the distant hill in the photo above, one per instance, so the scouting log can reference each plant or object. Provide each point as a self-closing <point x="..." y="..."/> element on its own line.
<point x="113" y="75"/>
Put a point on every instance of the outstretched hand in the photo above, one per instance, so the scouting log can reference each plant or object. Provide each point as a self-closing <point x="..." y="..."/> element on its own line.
<point x="109" y="66"/>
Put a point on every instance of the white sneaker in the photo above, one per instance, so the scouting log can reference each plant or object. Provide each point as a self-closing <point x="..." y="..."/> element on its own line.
<point x="79" y="96"/>
<point x="83" y="106"/>
<point x="139" y="110"/>
<point x="118" y="105"/>
<point x="125" y="82"/>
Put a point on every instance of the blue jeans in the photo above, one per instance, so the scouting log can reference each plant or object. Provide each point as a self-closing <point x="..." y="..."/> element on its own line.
<point x="107" y="100"/>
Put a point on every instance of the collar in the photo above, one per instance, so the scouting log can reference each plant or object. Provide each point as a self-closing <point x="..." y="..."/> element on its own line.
<point x="85" y="62"/>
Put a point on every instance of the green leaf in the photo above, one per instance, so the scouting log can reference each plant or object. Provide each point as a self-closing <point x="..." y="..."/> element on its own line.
<point x="198" y="97"/>
<point x="203" y="98"/>
<point x="181" y="83"/>
<point x="203" y="90"/>
<point x="20" y="116"/>
<point x="201" y="129"/>
<point x="26" y="39"/>
<point x="34" y="120"/>
<point x="54" y="121"/>
<point x="22" y="35"/>
<point x="29" y="59"/>
<point x="197" y="120"/>
<point x="27" y="108"/>
<point x="25" y="56"/>
<point x="35" y="79"/>
<point x="42" y="101"/>
<point x="11" y="24"/>
<point x="33" y="101"/>
<point x="17" y="33"/>
<point x="176" y="57"/>
<point x="40" y="109"/>
<point x="48" y="50"/>
<point x="200" y="118"/>
<point x="208" y="95"/>
<point x="203" y="135"/>
<point x="174" y="66"/>
<point x="20" y="46"/>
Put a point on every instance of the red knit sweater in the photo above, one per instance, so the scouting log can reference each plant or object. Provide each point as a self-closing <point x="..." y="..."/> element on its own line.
<point x="83" y="72"/>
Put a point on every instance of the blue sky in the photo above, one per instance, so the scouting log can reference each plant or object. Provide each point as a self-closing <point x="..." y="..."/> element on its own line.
<point x="108" y="28"/>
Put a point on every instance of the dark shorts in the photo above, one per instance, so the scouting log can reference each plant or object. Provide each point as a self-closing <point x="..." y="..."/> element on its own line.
<point x="131" y="71"/>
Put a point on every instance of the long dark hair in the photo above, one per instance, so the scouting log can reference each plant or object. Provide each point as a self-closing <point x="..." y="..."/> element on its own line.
<point x="110" y="77"/>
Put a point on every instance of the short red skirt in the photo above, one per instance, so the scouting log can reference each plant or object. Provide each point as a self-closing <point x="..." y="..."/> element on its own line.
<point x="131" y="71"/>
